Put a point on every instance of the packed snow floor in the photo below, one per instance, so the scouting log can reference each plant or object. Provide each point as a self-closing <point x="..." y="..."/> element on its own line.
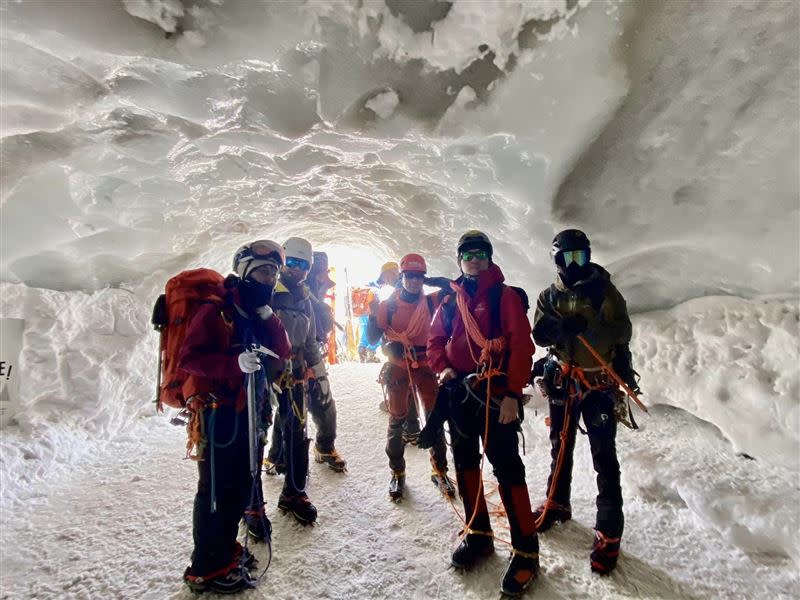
<point x="118" y="525"/>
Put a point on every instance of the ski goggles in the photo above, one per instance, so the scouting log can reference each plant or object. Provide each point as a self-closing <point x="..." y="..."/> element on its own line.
<point x="566" y="257"/>
<point x="260" y="250"/>
<point x="413" y="274"/>
<point x="297" y="263"/>
<point x="474" y="254"/>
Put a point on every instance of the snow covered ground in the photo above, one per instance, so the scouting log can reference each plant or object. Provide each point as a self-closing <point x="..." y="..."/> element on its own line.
<point x="701" y="521"/>
<point x="142" y="137"/>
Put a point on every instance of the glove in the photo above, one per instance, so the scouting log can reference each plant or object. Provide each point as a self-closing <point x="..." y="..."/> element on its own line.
<point x="325" y="388"/>
<point x="443" y="283"/>
<point x="264" y="312"/>
<point x="255" y="296"/>
<point x="321" y="375"/>
<point x="447" y="375"/>
<point x="394" y="350"/>
<point x="538" y="369"/>
<point x="427" y="437"/>
<point x="249" y="362"/>
<point x="573" y="325"/>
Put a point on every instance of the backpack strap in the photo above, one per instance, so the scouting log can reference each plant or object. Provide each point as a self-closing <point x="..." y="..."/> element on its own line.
<point x="448" y="308"/>
<point x="495" y="294"/>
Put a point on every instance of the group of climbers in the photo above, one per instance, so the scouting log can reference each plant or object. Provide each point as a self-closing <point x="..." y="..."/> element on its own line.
<point x="460" y="355"/>
<point x="261" y="321"/>
<point x="475" y="336"/>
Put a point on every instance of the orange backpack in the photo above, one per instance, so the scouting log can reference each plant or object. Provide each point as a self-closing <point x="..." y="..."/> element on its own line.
<point x="361" y="298"/>
<point x="171" y="316"/>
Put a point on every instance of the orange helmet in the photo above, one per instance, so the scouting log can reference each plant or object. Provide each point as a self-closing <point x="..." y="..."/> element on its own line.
<point x="413" y="262"/>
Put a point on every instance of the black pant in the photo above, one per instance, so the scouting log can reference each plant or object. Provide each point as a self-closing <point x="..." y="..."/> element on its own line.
<point x="467" y="426"/>
<point x="395" y="446"/>
<point x="597" y="409"/>
<point x="215" y="530"/>
<point x="294" y="447"/>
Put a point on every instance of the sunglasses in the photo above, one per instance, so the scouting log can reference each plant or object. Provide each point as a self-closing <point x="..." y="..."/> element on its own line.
<point x="297" y="263"/>
<point x="473" y="254"/>
<point x="566" y="257"/>
<point x="413" y="274"/>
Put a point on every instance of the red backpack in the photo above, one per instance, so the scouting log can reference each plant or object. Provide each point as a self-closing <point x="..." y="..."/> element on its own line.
<point x="171" y="316"/>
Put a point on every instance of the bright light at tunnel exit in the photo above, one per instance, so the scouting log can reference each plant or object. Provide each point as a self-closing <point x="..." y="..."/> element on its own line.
<point x="354" y="266"/>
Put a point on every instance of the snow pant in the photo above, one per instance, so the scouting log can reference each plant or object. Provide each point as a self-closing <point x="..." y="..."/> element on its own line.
<point x="222" y="495"/>
<point x="597" y="409"/>
<point x="363" y="322"/>
<point x="291" y="448"/>
<point x="467" y="422"/>
<point x="323" y="413"/>
<point x="400" y="400"/>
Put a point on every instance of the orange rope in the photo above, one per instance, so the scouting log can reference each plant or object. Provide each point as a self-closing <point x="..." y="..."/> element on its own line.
<point x="562" y="452"/>
<point x="611" y="372"/>
<point x="489" y="348"/>
<point x="194" y="430"/>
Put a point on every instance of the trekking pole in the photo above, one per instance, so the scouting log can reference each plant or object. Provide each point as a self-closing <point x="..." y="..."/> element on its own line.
<point x="611" y="372"/>
<point x="251" y="423"/>
<point x="159" y="408"/>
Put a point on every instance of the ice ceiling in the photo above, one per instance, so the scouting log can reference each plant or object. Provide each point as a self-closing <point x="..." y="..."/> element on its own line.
<point x="142" y="137"/>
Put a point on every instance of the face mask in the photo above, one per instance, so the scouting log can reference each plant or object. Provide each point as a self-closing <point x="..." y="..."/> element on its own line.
<point x="254" y="295"/>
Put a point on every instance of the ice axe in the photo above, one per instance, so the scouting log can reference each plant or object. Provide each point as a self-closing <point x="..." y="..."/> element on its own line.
<point x="252" y="413"/>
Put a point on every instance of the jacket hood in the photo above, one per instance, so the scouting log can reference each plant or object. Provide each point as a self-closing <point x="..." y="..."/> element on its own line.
<point x="486" y="279"/>
<point x="301" y="291"/>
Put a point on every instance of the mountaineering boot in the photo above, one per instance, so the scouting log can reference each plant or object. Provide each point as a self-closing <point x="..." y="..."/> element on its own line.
<point x="271" y="468"/>
<point x="396" y="485"/>
<point x="234" y="581"/>
<point x="473" y="548"/>
<point x="605" y="551"/>
<point x="331" y="458"/>
<point x="299" y="506"/>
<point x="555" y="513"/>
<point x="444" y="483"/>
<point x="521" y="572"/>
<point x="258" y="525"/>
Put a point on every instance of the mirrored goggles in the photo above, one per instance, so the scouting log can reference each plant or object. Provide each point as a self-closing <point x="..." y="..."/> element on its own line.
<point x="474" y="254"/>
<point x="297" y="263"/>
<point x="566" y="257"/>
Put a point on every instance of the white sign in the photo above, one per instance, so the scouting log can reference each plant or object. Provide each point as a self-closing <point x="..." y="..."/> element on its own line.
<point x="10" y="347"/>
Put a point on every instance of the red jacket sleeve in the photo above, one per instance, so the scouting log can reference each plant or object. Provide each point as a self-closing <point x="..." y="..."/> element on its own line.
<point x="201" y="353"/>
<point x="517" y="331"/>
<point x="274" y="335"/>
<point x="437" y="355"/>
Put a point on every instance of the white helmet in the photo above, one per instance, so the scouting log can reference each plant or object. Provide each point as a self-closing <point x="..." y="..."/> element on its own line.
<point x="257" y="254"/>
<point x="296" y="247"/>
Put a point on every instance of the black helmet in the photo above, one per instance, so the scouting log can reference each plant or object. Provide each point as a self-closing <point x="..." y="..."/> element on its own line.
<point x="475" y="239"/>
<point x="570" y="239"/>
<point x="572" y="254"/>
